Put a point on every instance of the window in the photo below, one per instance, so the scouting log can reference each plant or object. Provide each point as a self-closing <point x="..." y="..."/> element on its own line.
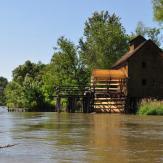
<point x="144" y="65"/>
<point x="144" y="82"/>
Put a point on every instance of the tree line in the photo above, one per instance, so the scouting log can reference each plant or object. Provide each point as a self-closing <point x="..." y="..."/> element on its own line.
<point x="104" y="41"/>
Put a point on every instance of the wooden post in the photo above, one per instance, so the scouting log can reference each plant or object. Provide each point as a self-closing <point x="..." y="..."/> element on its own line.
<point x="58" y="104"/>
<point x="71" y="104"/>
<point x="87" y="102"/>
<point x="68" y="104"/>
<point x="58" y="100"/>
<point x="132" y="104"/>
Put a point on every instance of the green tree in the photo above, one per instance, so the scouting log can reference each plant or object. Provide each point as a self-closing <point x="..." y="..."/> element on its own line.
<point x="140" y="29"/>
<point x="14" y="94"/>
<point x="151" y="33"/>
<point x="158" y="10"/>
<point x="33" y="93"/>
<point x="27" y="69"/>
<point x="65" y="68"/>
<point x="104" y="40"/>
<point x="65" y="62"/>
<point x="25" y="90"/>
<point x="3" y="84"/>
<point x="67" y="65"/>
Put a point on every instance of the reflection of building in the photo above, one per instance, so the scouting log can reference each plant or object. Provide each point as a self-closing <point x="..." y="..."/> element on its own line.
<point x="142" y="66"/>
<point x="108" y="141"/>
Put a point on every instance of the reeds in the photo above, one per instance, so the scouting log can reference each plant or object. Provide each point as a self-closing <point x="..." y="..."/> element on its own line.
<point x="150" y="107"/>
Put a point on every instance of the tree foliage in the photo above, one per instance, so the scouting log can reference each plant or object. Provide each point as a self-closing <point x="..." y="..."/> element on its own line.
<point x="25" y="88"/>
<point x="27" y="69"/>
<point x="65" y="68"/>
<point x="158" y="10"/>
<point x="151" y="33"/>
<point x="104" y="40"/>
<point x="3" y="84"/>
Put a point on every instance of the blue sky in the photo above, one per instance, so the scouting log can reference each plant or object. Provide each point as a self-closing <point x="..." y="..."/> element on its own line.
<point x="29" y="28"/>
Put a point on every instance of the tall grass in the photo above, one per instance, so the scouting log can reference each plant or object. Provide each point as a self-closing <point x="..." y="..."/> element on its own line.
<point x="150" y="107"/>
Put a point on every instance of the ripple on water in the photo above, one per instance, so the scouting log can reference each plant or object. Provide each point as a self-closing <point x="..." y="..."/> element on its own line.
<point x="52" y="137"/>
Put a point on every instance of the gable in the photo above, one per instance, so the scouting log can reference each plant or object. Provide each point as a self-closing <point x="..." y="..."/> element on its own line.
<point x="124" y="59"/>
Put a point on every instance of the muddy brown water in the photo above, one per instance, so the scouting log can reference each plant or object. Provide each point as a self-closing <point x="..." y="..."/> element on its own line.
<point x="80" y="138"/>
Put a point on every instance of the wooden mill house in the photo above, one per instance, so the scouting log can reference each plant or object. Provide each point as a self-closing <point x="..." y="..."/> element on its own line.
<point x="136" y="75"/>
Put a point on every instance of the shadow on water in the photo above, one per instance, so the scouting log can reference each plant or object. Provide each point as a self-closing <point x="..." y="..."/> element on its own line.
<point x="53" y="137"/>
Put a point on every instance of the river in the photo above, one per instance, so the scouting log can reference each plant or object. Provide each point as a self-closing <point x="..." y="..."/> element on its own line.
<point x="80" y="138"/>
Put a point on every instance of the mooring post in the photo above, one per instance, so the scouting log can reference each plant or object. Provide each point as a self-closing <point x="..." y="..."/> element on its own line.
<point x="87" y="102"/>
<point x="68" y="104"/>
<point x="132" y="104"/>
<point x="58" y="100"/>
<point x="71" y="104"/>
<point x="58" y="104"/>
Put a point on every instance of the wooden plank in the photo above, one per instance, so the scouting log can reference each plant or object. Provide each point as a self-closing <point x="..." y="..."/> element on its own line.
<point x="105" y="89"/>
<point x="109" y="99"/>
<point x="106" y="84"/>
<point x="105" y="80"/>
<point x="109" y="111"/>
<point x="108" y="107"/>
<point x="109" y="103"/>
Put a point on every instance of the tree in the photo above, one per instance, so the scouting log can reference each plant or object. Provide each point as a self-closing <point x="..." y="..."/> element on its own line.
<point x="27" y="69"/>
<point x="65" y="69"/>
<point x="65" y="62"/>
<point x="140" y="29"/>
<point x="158" y="10"/>
<point x="14" y="94"/>
<point x="104" y="40"/>
<point x="3" y="84"/>
<point x="151" y="33"/>
<point x="67" y="65"/>
<point x="25" y="90"/>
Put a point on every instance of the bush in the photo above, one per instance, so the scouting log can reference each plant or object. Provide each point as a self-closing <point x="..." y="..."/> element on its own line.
<point x="150" y="107"/>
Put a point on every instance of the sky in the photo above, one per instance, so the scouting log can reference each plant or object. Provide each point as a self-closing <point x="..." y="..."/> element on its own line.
<point x="29" y="29"/>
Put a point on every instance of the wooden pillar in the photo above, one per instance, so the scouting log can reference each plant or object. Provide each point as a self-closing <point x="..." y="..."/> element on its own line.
<point x="87" y="102"/>
<point x="132" y="104"/>
<point x="58" y="104"/>
<point x="58" y="100"/>
<point x="71" y="104"/>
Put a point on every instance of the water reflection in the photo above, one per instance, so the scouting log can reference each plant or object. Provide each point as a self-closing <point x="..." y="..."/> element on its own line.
<point x="52" y="137"/>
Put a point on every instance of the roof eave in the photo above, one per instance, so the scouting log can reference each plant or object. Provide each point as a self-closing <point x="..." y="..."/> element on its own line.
<point x="120" y="65"/>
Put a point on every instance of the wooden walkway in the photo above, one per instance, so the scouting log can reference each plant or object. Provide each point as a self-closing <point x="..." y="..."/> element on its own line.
<point x="74" y="94"/>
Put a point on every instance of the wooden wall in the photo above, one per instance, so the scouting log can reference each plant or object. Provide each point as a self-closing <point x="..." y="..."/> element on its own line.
<point x="145" y="73"/>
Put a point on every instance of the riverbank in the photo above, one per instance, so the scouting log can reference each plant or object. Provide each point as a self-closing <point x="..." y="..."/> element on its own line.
<point x="150" y="107"/>
<point x="31" y="110"/>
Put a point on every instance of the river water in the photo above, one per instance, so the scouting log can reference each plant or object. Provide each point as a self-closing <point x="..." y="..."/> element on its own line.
<point x="73" y="138"/>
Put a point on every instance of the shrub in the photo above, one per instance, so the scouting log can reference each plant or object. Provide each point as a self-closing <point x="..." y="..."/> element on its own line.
<point x="150" y="107"/>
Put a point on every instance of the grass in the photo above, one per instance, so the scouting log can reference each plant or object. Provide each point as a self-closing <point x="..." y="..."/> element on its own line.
<point x="150" y="107"/>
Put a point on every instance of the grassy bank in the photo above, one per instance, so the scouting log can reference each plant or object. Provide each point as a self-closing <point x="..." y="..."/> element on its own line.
<point x="150" y="107"/>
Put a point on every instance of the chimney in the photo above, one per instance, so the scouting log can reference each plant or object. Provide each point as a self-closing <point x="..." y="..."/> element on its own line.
<point x="134" y="43"/>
